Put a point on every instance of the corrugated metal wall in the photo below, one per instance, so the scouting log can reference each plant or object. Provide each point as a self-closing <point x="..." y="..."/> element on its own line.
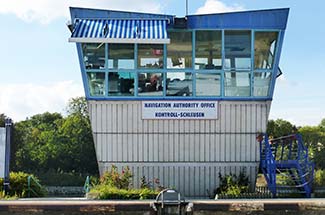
<point x="185" y="154"/>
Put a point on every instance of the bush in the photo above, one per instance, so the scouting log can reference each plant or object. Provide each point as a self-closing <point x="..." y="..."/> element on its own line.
<point x="108" y="192"/>
<point x="19" y="186"/>
<point x="115" y="185"/>
<point x="60" y="178"/>
<point x="319" y="178"/>
<point x="113" y="178"/>
<point x="232" y="185"/>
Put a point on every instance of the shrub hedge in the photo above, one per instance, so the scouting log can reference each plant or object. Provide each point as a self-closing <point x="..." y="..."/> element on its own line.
<point x="60" y="178"/>
<point x="19" y="186"/>
<point x="109" y="192"/>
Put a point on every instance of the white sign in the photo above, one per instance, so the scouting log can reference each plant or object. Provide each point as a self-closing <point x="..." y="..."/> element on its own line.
<point x="179" y="109"/>
<point x="2" y="151"/>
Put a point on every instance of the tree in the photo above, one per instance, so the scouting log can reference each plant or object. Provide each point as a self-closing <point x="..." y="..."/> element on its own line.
<point x="2" y="120"/>
<point x="77" y="129"/>
<point x="78" y="105"/>
<point x="314" y="139"/>
<point x="49" y="141"/>
<point x="280" y="128"/>
<point x="35" y="142"/>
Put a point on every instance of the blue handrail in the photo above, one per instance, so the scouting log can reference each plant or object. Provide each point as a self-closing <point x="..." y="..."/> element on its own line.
<point x="293" y="158"/>
<point x="268" y="165"/>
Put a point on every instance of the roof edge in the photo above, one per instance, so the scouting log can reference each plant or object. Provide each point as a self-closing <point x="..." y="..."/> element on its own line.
<point x="244" y="11"/>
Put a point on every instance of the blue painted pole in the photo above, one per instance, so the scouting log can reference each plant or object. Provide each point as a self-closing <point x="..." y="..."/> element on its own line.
<point x="6" y="181"/>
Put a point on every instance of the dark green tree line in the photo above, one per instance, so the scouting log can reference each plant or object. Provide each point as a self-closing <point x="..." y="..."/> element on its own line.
<point x="50" y="141"/>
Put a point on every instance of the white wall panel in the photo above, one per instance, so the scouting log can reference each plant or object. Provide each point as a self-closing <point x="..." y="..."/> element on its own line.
<point x="186" y="154"/>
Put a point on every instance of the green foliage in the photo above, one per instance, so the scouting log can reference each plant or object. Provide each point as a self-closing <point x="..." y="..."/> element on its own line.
<point x="319" y="178"/>
<point x="314" y="139"/>
<point x="2" y="120"/>
<point x="60" y="178"/>
<point x="78" y="106"/>
<point x="144" y="183"/>
<point x="113" y="178"/>
<point x="19" y="186"/>
<point x="115" y="185"/>
<point x="52" y="142"/>
<point x="233" y="185"/>
<point x="280" y="128"/>
<point x="107" y="192"/>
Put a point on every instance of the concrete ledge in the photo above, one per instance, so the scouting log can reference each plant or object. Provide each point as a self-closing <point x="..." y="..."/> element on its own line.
<point x="262" y="205"/>
<point x="81" y="206"/>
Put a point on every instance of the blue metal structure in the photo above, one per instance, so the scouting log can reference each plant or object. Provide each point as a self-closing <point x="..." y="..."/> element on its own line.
<point x="274" y="20"/>
<point x="288" y="157"/>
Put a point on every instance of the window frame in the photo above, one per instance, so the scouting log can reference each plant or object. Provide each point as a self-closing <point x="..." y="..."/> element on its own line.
<point x="191" y="70"/>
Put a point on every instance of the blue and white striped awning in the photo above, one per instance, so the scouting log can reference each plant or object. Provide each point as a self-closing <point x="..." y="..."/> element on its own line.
<point x="120" y="31"/>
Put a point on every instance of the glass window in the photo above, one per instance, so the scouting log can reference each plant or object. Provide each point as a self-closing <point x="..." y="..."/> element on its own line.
<point x="208" y="50"/>
<point x="120" y="83"/>
<point x="262" y="83"/>
<point x="96" y="83"/>
<point x="179" y="84"/>
<point x="94" y="55"/>
<point x="207" y="84"/>
<point x="120" y="56"/>
<point x="150" y="84"/>
<point x="179" y="51"/>
<point x="150" y="56"/>
<point x="237" y="49"/>
<point x="265" y="45"/>
<point x="237" y="84"/>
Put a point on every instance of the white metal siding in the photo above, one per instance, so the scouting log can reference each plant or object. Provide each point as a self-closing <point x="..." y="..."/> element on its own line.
<point x="2" y="151"/>
<point x="185" y="154"/>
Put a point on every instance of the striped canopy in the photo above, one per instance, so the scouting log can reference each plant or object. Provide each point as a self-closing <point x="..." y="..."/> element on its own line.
<point x="120" y="31"/>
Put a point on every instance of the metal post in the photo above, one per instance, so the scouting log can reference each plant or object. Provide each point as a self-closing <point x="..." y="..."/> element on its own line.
<point x="186" y="7"/>
<point x="6" y="182"/>
<point x="28" y="185"/>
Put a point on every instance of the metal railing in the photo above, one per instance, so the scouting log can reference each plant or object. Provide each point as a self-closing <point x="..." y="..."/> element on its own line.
<point x="30" y="190"/>
<point x="86" y="187"/>
<point x="286" y="157"/>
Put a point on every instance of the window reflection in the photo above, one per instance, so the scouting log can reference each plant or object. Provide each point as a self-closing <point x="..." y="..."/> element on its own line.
<point x="121" y="83"/>
<point x="237" y="84"/>
<point x="262" y="83"/>
<point x="94" y="55"/>
<point x="265" y="45"/>
<point x="150" y="56"/>
<point x="237" y="49"/>
<point x="208" y="50"/>
<point x="179" y="84"/>
<point x="179" y="51"/>
<point x="96" y="83"/>
<point x="207" y="84"/>
<point x="150" y="84"/>
<point x="120" y="56"/>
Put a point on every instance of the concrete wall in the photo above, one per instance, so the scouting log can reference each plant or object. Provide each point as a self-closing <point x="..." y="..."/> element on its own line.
<point x="185" y="154"/>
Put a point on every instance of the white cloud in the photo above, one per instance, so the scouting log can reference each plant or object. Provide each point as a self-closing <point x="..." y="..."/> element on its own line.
<point x="19" y="101"/>
<point x="217" y="6"/>
<point x="45" y="11"/>
<point x="299" y="116"/>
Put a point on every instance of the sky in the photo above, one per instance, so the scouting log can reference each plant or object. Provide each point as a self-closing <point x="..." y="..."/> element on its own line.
<point x="39" y="69"/>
